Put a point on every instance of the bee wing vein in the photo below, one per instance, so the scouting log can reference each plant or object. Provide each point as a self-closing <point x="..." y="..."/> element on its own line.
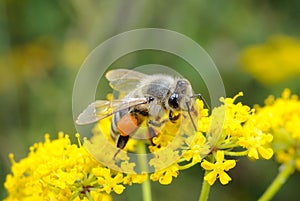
<point x="101" y="109"/>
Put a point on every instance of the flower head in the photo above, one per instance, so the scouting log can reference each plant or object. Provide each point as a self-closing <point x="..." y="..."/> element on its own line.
<point x="256" y="142"/>
<point x="166" y="175"/>
<point x="280" y="117"/>
<point x="60" y="170"/>
<point x="274" y="61"/>
<point x="230" y="130"/>
<point x="217" y="169"/>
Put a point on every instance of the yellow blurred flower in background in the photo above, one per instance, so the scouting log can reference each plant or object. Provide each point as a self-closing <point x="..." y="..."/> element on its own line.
<point x="26" y="61"/>
<point x="74" y="51"/>
<point x="274" y="61"/>
<point x="37" y="58"/>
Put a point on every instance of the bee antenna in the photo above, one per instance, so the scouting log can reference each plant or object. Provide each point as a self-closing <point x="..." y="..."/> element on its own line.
<point x="189" y="112"/>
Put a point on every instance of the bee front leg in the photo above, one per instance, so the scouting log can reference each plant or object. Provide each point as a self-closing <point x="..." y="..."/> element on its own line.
<point x="173" y="117"/>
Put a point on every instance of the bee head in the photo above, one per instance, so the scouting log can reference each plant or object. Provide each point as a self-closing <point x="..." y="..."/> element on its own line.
<point x="180" y="95"/>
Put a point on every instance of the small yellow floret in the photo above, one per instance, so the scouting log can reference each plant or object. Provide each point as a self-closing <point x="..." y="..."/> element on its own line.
<point x="218" y="169"/>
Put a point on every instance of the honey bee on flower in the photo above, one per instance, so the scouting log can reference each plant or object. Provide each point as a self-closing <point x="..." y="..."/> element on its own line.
<point x="152" y="100"/>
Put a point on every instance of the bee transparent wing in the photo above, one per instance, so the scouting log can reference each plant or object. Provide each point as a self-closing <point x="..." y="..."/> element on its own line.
<point x="88" y="115"/>
<point x="124" y="80"/>
<point x="101" y="109"/>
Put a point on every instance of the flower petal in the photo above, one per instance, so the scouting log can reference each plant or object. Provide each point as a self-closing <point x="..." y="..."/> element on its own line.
<point x="211" y="177"/>
<point x="229" y="164"/>
<point x="207" y="165"/>
<point x="265" y="153"/>
<point x="220" y="156"/>
<point x="224" y="178"/>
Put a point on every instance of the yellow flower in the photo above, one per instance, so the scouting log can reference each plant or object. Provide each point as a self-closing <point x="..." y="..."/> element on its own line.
<point x="135" y="178"/>
<point x="256" y="142"/>
<point x="230" y="130"/>
<point x="108" y="182"/>
<point x="74" y="51"/>
<point x="165" y="176"/>
<point x="218" y="169"/>
<point x="197" y="148"/>
<point x="236" y="114"/>
<point x="226" y="121"/>
<point x="59" y="170"/>
<point x="280" y="117"/>
<point x="274" y="61"/>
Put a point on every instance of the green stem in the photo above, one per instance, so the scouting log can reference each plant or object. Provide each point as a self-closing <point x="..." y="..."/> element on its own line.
<point x="146" y="187"/>
<point x="186" y="166"/>
<point x="229" y="145"/>
<point x="235" y="153"/>
<point x="142" y="157"/>
<point x="285" y="171"/>
<point x="205" y="189"/>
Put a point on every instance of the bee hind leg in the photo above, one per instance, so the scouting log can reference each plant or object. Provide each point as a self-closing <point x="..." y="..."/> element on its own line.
<point x="121" y="143"/>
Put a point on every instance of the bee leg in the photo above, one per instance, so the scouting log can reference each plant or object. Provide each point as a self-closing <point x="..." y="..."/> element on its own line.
<point x="151" y="133"/>
<point x="189" y="112"/>
<point x="127" y="124"/>
<point x="173" y="117"/>
<point x="126" y="127"/>
<point x="122" y="141"/>
<point x="199" y="96"/>
<point x="115" y="155"/>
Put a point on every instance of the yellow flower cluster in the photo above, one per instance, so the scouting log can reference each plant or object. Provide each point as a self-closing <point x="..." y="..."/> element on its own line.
<point x="59" y="170"/>
<point x="281" y="118"/>
<point x="275" y="61"/>
<point x="230" y="130"/>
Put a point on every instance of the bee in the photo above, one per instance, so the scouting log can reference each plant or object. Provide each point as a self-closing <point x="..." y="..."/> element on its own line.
<point x="150" y="99"/>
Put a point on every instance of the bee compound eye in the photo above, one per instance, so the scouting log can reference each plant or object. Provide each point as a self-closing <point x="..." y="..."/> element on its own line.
<point x="173" y="101"/>
<point x="150" y="99"/>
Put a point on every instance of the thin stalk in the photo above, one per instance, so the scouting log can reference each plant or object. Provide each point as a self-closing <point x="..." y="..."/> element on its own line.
<point x="146" y="185"/>
<point x="186" y="166"/>
<point x="205" y="189"/>
<point x="235" y="153"/>
<point x="285" y="171"/>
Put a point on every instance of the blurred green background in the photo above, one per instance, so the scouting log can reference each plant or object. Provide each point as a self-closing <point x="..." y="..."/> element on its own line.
<point x="254" y="44"/>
